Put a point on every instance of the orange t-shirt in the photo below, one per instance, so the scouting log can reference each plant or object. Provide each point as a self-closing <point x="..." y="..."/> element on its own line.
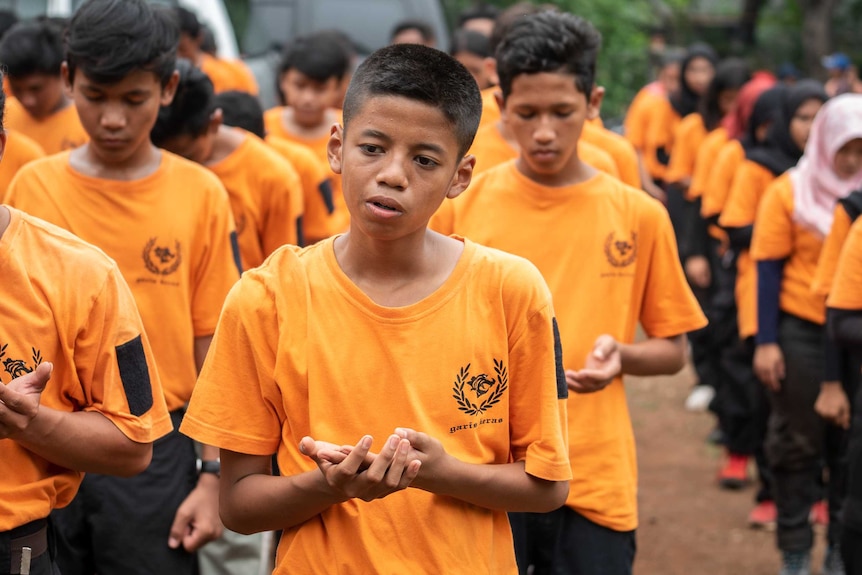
<point x="831" y="252"/>
<point x="266" y="198"/>
<point x="64" y="301"/>
<point x="623" y="153"/>
<point x="730" y="157"/>
<point x="228" y="75"/>
<point x="491" y="149"/>
<point x="172" y="235"/>
<point x="490" y="108"/>
<point x="640" y="111"/>
<point x="339" y="217"/>
<point x="490" y="392"/>
<point x="599" y="241"/>
<point x="662" y="127"/>
<point x="20" y="150"/>
<point x="58" y="132"/>
<point x="316" y="178"/>
<point x="704" y="162"/>
<point x="846" y="292"/>
<point x="690" y="134"/>
<point x="778" y="237"/>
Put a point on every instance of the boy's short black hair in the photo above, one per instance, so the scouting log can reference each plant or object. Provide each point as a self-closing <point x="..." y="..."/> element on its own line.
<point x="549" y="42"/>
<point x="33" y="47"/>
<point x="478" y="11"/>
<point x="8" y="18"/>
<point x="109" y="39"/>
<point x="2" y="104"/>
<point x="511" y="15"/>
<point x="241" y="110"/>
<point x="425" y="30"/>
<point x="317" y="56"/>
<point x="422" y="74"/>
<point x="471" y="42"/>
<point x="190" y="112"/>
<point x="188" y="22"/>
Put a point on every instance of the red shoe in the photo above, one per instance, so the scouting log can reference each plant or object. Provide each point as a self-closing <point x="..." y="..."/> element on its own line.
<point x="763" y="516"/>
<point x="734" y="474"/>
<point x="819" y="513"/>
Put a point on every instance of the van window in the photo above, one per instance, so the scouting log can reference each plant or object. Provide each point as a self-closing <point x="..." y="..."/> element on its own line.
<point x="25" y="8"/>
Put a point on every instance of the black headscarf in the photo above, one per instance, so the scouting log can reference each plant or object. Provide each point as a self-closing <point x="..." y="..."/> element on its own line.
<point x="765" y="111"/>
<point x="780" y="153"/>
<point x="685" y="100"/>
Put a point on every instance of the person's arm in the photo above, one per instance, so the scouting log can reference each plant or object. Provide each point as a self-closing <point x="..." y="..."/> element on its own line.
<point x="740" y="238"/>
<point x="768" y="357"/>
<point x="832" y="402"/>
<point x="82" y="440"/>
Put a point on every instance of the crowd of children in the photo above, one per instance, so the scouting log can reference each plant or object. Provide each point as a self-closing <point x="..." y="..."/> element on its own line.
<point x="389" y="319"/>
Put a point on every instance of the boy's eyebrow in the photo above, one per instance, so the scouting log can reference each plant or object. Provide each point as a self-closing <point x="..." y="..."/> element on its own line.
<point x="434" y="148"/>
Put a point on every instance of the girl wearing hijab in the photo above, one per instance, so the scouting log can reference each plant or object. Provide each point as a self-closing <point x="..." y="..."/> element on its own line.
<point x="794" y="217"/>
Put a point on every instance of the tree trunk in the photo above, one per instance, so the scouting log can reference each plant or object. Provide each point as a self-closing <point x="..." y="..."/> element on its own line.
<point x="748" y="22"/>
<point x="816" y="33"/>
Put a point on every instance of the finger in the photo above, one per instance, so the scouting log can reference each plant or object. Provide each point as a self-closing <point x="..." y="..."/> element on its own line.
<point x="377" y="471"/>
<point x="308" y="447"/>
<point x="198" y="537"/>
<point x="779" y="370"/>
<point x="598" y="377"/>
<point x="410" y="473"/>
<point x="604" y="346"/>
<point x="399" y="463"/>
<point x="356" y="458"/>
<point x="179" y="529"/>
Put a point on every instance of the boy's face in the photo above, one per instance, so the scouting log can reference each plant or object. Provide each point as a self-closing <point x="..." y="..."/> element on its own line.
<point x="198" y="149"/>
<point x="308" y="97"/>
<point x="477" y="67"/>
<point x="546" y="113"/>
<point x="188" y="47"/>
<point x="40" y="94"/>
<point x="398" y="161"/>
<point x="118" y="117"/>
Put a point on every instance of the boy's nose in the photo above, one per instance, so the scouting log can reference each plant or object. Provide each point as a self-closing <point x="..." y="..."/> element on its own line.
<point x="393" y="175"/>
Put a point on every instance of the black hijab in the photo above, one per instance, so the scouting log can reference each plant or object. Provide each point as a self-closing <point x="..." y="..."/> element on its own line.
<point x="764" y="111"/>
<point x="685" y="100"/>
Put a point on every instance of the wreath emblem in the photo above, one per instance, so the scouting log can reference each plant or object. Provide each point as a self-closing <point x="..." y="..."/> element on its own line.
<point x="161" y="260"/>
<point x="621" y="253"/>
<point x="481" y="386"/>
<point x="18" y="367"/>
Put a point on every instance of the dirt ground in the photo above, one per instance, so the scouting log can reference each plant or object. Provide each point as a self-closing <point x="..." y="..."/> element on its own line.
<point x="688" y="526"/>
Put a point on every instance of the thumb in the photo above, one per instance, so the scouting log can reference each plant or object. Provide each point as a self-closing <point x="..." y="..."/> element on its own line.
<point x="179" y="530"/>
<point x="35" y="381"/>
<point x="604" y="347"/>
<point x="416" y="439"/>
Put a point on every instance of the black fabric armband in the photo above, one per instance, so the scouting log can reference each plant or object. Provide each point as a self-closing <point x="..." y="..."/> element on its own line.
<point x="135" y="376"/>
<point x="740" y="238"/>
<point x="562" y="386"/>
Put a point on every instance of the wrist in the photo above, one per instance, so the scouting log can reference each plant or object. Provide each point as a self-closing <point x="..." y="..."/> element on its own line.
<point x="209" y="468"/>
<point x="830" y="385"/>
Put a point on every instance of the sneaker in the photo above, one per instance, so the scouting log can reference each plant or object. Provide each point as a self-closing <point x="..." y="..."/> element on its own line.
<point x="734" y="474"/>
<point x="819" y="513"/>
<point x="700" y="398"/>
<point x="716" y="437"/>
<point x="833" y="564"/>
<point x="764" y="516"/>
<point x="795" y="563"/>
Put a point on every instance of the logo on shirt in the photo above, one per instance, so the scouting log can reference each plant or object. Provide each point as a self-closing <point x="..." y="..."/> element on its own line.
<point x="621" y="252"/>
<point x="162" y="259"/>
<point x="18" y="367"/>
<point x="240" y="223"/>
<point x="478" y="393"/>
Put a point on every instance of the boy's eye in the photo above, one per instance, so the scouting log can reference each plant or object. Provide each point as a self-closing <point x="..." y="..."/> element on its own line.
<point x="563" y="113"/>
<point x="524" y="115"/>
<point x="370" y="148"/>
<point x="135" y="101"/>
<point x="425" y="161"/>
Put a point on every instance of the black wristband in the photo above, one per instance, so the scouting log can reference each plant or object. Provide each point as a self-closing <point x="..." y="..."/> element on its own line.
<point x="213" y="467"/>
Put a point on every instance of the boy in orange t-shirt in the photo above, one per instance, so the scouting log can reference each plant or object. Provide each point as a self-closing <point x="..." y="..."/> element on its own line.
<point x="264" y="189"/>
<point x="594" y="239"/>
<point x="167" y="223"/>
<point x="469" y="419"/>
<point x="19" y="151"/>
<point x="32" y="53"/>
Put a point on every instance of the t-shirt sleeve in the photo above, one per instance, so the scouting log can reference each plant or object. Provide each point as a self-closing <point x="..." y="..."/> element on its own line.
<point x="846" y="290"/>
<point x="537" y="401"/>
<point x="773" y="227"/>
<point x="669" y="307"/>
<point x="828" y="262"/>
<point x="115" y="365"/>
<point x="681" y="164"/>
<point x="628" y="165"/>
<point x="234" y="403"/>
<point x="284" y="206"/>
<point x="740" y="209"/>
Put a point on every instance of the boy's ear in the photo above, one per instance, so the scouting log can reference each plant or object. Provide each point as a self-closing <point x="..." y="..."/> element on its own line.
<point x="490" y="65"/>
<point x="498" y="97"/>
<point x="2" y="143"/>
<point x="463" y="176"/>
<point x="67" y="79"/>
<point x="335" y="148"/>
<point x="216" y="120"/>
<point x="169" y="90"/>
<point x="594" y="107"/>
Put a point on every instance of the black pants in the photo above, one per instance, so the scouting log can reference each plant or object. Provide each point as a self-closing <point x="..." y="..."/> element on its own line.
<point x="851" y="542"/>
<point x="564" y="542"/>
<point x="799" y="442"/>
<point x="44" y="564"/>
<point x="120" y="526"/>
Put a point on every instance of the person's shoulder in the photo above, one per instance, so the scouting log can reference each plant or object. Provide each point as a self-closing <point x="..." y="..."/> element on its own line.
<point x="23" y="146"/>
<point x="189" y="175"/>
<point x="516" y="276"/>
<point x="44" y="168"/>
<point x="627" y="199"/>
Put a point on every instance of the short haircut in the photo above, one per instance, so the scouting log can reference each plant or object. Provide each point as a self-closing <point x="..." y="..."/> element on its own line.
<point x="425" y="30"/>
<point x="317" y="56"/>
<point x="471" y="42"/>
<point x="188" y="22"/>
<point x="241" y="110"/>
<point x="2" y="105"/>
<point x="190" y="112"/>
<point x="554" y="42"/>
<point x="508" y="17"/>
<point x="109" y="39"/>
<point x="8" y="18"/>
<point x="478" y="11"/>
<point x="33" y="47"/>
<point x="422" y="74"/>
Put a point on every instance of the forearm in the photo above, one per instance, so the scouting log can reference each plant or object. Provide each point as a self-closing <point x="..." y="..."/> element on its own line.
<point x="769" y="274"/>
<point x="85" y="441"/>
<point x="505" y="486"/>
<point x="654" y="356"/>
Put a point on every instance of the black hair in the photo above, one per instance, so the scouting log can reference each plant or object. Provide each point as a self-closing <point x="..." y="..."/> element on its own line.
<point x="549" y="42"/>
<point x="190" y="112"/>
<point x="422" y="74"/>
<point x="188" y="22"/>
<point x="241" y="110"/>
<point x="425" y="30"/>
<point x="33" y="47"/>
<point x="8" y="18"/>
<point x="478" y="11"/>
<point x="208" y="41"/>
<point x="109" y="39"/>
<point x="508" y="17"/>
<point x="685" y="100"/>
<point x="317" y="56"/>
<point x="730" y="74"/>
<point x="763" y="113"/>
<point x="471" y="42"/>
<point x="2" y="104"/>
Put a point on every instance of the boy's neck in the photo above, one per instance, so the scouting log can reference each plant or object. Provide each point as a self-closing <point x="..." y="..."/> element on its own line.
<point x="310" y="132"/>
<point x="226" y="142"/>
<point x="140" y="164"/>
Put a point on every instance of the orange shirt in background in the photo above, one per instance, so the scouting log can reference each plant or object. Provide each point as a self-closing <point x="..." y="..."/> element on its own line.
<point x="228" y="75"/>
<point x="20" y="150"/>
<point x="730" y="157"/>
<point x="490" y="109"/>
<point x="846" y="292"/>
<point x="489" y="391"/>
<point x="266" y="198"/>
<point x="659" y="134"/>
<point x="690" y="134"/>
<point x="172" y="235"/>
<point x="827" y="265"/>
<point x="778" y="237"/>
<point x="58" y="132"/>
<point x="640" y="111"/>
<point x="610" y="258"/>
<point x="623" y="153"/>
<point x="703" y="164"/>
<point x="64" y="301"/>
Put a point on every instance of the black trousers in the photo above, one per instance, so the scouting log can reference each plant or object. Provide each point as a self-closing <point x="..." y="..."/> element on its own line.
<point x="44" y="564"/>
<point x="851" y="542"/>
